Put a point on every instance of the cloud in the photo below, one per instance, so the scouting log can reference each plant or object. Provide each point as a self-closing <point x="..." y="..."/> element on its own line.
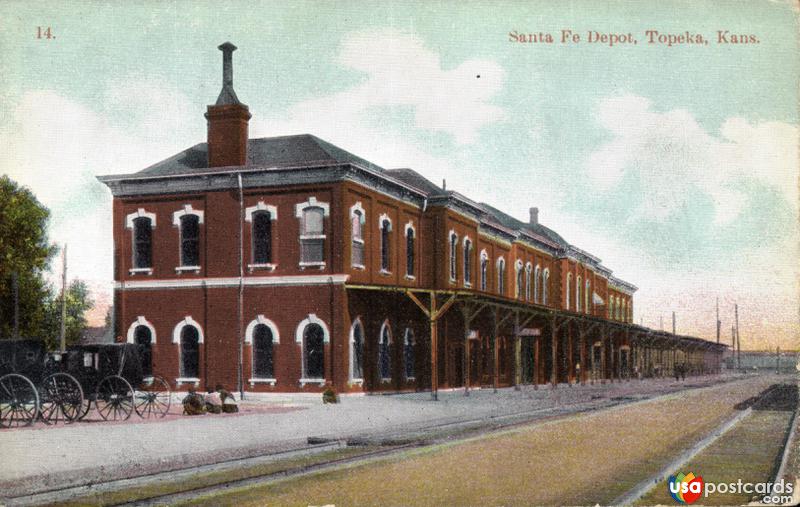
<point x="672" y="156"/>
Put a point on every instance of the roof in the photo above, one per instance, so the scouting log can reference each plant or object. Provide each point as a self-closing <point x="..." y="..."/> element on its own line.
<point x="266" y="152"/>
<point x="535" y="229"/>
<point x="416" y="180"/>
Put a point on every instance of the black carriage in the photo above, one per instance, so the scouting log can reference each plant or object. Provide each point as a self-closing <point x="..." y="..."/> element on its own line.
<point x="113" y="378"/>
<point x="60" y="387"/>
<point x="32" y="385"/>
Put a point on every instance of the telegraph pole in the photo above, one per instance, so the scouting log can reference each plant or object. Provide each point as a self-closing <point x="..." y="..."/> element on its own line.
<point x="778" y="362"/>
<point x="718" y="321"/>
<point x="673" y="322"/>
<point x="738" y="337"/>
<point x="661" y="322"/>
<point x="733" y="344"/>
<point x="64" y="302"/>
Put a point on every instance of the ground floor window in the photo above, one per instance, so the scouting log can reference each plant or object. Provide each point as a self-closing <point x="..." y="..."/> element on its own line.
<point x="384" y="353"/>
<point x="357" y="352"/>
<point x="263" y="358"/>
<point x="313" y="351"/>
<point x="190" y="352"/>
<point x="408" y="353"/>
<point x="144" y="339"/>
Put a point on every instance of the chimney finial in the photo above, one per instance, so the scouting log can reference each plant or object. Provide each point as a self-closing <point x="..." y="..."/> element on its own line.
<point x="227" y="96"/>
<point x="444" y="184"/>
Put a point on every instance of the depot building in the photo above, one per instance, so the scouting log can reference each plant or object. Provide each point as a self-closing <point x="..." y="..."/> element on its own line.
<point x="287" y="264"/>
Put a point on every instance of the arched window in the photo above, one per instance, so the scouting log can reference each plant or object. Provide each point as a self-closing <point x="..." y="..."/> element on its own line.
<point x="545" y="286"/>
<point x="566" y="292"/>
<point x="409" y="250"/>
<point x="262" y="237"/>
<point x="610" y="307"/>
<point x="313" y="352"/>
<point x="501" y="276"/>
<point x="518" y="275"/>
<point x="190" y="352"/>
<point x="190" y="240"/>
<point x="528" y="288"/>
<point x="578" y="295"/>
<point x="453" y="244"/>
<point x="312" y="236"/>
<point x="587" y="298"/>
<point x="357" y="351"/>
<point x="263" y="357"/>
<point x="623" y="311"/>
<point x="142" y="243"/>
<point x="467" y="262"/>
<point x="386" y="252"/>
<point x="144" y="339"/>
<point x="408" y="353"/>
<point x="385" y="352"/>
<point x="618" y="308"/>
<point x="484" y="269"/>
<point x="357" y="220"/>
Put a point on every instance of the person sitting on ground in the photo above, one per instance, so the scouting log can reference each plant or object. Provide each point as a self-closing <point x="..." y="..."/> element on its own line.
<point x="193" y="403"/>
<point x="229" y="405"/>
<point x="213" y="402"/>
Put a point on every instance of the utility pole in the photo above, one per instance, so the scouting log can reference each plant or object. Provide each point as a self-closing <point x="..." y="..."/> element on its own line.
<point x="64" y="302"/>
<point x="733" y="345"/>
<point x="15" y="289"/>
<point x="661" y="322"/>
<point x="778" y="361"/>
<point x="673" y="322"/>
<point x="738" y="337"/>
<point x="718" y="321"/>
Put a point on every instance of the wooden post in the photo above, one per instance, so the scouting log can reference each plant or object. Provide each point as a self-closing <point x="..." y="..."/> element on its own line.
<point x="602" y="355"/>
<point x="582" y="345"/>
<point x="517" y="353"/>
<point x="434" y="350"/>
<point x="496" y="376"/>
<point x="536" y="367"/>
<point x="466" y="367"/>
<point x="570" y="356"/>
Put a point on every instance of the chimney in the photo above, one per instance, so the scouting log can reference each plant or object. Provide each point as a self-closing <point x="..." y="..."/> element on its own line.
<point x="534" y="216"/>
<point x="227" y="120"/>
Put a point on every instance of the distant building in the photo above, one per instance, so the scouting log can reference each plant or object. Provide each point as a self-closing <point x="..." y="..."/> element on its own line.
<point x="763" y="360"/>
<point x="287" y="263"/>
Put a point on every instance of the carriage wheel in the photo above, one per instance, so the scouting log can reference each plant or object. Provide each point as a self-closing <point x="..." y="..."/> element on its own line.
<point x="153" y="398"/>
<point x="61" y="399"/>
<point x="114" y="399"/>
<point x="19" y="401"/>
<point x="87" y="404"/>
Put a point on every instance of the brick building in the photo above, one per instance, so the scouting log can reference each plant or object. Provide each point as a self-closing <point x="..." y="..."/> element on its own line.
<point x="286" y="263"/>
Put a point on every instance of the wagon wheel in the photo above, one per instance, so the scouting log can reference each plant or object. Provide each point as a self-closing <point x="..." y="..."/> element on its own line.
<point x="61" y="398"/>
<point x="87" y="404"/>
<point x="114" y="399"/>
<point x="19" y="401"/>
<point x="153" y="398"/>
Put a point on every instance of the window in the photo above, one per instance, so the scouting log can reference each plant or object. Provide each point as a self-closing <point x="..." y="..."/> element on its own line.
<point x="587" y="297"/>
<point x="141" y="223"/>
<point x="262" y="237"/>
<point x="190" y="352"/>
<point x="385" y="352"/>
<point x="484" y="269"/>
<point x="528" y="282"/>
<point x="263" y="361"/>
<point x="610" y="307"/>
<point x="618" y="308"/>
<point x="537" y="284"/>
<point x="312" y="231"/>
<point x="313" y="352"/>
<point x="501" y="276"/>
<point x="566" y="292"/>
<point x="408" y="353"/>
<point x="190" y="241"/>
<point x="357" y="351"/>
<point x="453" y="243"/>
<point x="545" y="286"/>
<point x="409" y="250"/>
<point x="144" y="339"/>
<point x="578" y="295"/>
<point x="467" y="262"/>
<point x="357" y="220"/>
<point x="518" y="272"/>
<point x="386" y="252"/>
<point x="143" y="243"/>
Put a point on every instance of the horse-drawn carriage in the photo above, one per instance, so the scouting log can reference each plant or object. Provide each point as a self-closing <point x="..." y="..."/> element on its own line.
<point x="62" y="386"/>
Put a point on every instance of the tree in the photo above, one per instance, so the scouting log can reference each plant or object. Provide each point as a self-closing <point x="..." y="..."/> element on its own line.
<point x="78" y="303"/>
<point x="26" y="253"/>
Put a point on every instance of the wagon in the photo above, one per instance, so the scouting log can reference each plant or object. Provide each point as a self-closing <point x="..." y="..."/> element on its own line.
<point x="32" y="386"/>
<point x="112" y="377"/>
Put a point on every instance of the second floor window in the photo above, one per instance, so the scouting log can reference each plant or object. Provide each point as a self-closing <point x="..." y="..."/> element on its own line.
<point x="190" y="240"/>
<point x="357" y="233"/>
<point x="386" y="253"/>
<point x="501" y="276"/>
<point x="484" y="270"/>
<point x="262" y="237"/>
<point x="410" y="251"/>
<point x="545" y="285"/>
<point x="312" y="236"/>
<point x="467" y="262"/>
<point x="453" y="244"/>
<point x="142" y="243"/>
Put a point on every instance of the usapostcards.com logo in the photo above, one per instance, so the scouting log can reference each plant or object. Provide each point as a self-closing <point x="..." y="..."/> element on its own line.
<point x="686" y="488"/>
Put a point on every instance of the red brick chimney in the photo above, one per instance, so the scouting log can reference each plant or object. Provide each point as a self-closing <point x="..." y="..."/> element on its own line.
<point x="227" y="120"/>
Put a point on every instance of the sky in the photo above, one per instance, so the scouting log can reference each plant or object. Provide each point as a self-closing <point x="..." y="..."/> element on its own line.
<point x="677" y="164"/>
